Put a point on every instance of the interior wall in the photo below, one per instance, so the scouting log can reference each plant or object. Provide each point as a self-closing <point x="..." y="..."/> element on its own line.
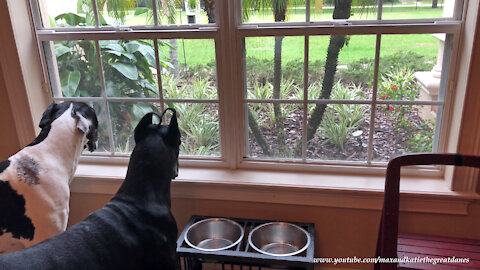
<point x="340" y="232"/>
<point x="9" y="143"/>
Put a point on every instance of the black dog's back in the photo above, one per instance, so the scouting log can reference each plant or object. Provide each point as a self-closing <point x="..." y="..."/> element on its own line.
<point x="118" y="236"/>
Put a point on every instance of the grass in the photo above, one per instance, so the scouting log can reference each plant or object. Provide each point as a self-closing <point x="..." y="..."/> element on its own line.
<point x="202" y="51"/>
<point x="359" y="46"/>
<point x="389" y="12"/>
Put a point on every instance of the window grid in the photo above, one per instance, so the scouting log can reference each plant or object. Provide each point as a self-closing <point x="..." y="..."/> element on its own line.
<point x="242" y="31"/>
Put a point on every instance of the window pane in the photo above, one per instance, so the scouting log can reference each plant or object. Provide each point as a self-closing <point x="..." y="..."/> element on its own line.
<point x="354" y="66"/>
<point x="189" y="68"/>
<point x="186" y="12"/>
<point x="129" y="68"/>
<point x="295" y="11"/>
<point x="264" y="69"/>
<point x="103" y="140"/>
<point x="342" y="133"/>
<point x="265" y="139"/>
<point x="120" y="13"/>
<point x="125" y="117"/>
<point x="393" y="9"/>
<point x="66" y="13"/>
<point x="264" y="11"/>
<point x="199" y="125"/>
<point x="73" y="68"/>
<point x="403" y="129"/>
<point x="410" y="67"/>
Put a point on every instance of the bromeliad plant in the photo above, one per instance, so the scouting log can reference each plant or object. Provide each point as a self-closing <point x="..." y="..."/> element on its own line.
<point x="341" y="120"/>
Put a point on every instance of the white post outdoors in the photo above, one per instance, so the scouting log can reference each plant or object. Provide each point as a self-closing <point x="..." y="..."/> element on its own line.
<point x="430" y="80"/>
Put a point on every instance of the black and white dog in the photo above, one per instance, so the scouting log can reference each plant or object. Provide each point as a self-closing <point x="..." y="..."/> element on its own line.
<point x="136" y="229"/>
<point x="34" y="183"/>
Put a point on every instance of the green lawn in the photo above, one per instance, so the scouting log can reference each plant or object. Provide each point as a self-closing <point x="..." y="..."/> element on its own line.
<point x="202" y="51"/>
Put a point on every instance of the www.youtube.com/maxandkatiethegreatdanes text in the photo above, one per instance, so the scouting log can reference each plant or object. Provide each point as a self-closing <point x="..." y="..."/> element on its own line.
<point x="406" y="259"/>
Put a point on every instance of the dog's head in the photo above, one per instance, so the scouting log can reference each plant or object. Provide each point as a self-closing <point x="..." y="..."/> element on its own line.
<point x="85" y="120"/>
<point x="158" y="143"/>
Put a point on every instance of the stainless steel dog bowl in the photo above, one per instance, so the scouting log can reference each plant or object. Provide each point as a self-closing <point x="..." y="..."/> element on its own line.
<point x="279" y="239"/>
<point x="214" y="234"/>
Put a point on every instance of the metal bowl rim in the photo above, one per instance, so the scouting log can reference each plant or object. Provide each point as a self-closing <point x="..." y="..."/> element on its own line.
<point x="279" y="255"/>
<point x="214" y="219"/>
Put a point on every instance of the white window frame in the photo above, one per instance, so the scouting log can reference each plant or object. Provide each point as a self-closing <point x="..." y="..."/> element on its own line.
<point x="230" y="37"/>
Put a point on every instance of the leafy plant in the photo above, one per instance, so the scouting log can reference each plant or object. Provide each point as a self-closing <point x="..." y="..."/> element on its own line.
<point x="341" y="120"/>
<point x="422" y="140"/>
<point x="399" y="84"/>
<point x="200" y="127"/>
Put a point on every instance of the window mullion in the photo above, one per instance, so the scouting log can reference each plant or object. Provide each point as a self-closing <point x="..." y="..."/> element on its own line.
<point x="374" y="99"/>
<point x="104" y="95"/>
<point x="379" y="9"/>
<point x="305" y="96"/>
<point x="159" y="75"/>
<point x="155" y="12"/>
<point x="95" y="13"/>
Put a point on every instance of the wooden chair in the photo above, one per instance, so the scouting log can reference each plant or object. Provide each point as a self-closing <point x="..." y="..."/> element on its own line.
<point x="388" y="236"/>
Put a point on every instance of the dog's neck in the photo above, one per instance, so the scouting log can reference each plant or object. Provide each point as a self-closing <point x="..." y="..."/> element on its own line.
<point x="64" y="143"/>
<point x="145" y="183"/>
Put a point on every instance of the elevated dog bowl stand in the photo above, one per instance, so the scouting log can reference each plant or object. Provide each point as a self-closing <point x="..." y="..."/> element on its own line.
<point x="243" y="255"/>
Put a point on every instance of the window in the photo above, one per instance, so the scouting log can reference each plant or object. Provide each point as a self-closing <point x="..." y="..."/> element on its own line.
<point x="259" y="82"/>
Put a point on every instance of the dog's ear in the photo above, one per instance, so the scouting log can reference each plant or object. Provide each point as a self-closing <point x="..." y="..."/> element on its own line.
<point x="173" y="134"/>
<point x="142" y="128"/>
<point x="48" y="115"/>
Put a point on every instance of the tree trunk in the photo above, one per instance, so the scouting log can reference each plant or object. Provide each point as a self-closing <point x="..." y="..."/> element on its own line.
<point x="341" y="11"/>
<point x="435" y="4"/>
<point x="209" y="7"/>
<point x="168" y="9"/>
<point x="174" y="57"/>
<point x="280" y="11"/>
<point x="277" y="110"/>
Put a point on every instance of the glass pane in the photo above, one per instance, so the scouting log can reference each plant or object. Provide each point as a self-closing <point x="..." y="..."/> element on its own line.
<point x="342" y="133"/>
<point x="118" y="13"/>
<point x="264" y="11"/>
<point x="67" y="13"/>
<point x="403" y="129"/>
<point x="129" y="68"/>
<point x="186" y="12"/>
<point x="74" y="71"/>
<point x="274" y="67"/>
<point x="189" y="69"/>
<point x="410" y="67"/>
<point x="295" y="11"/>
<point x="103" y="140"/>
<point x="125" y="117"/>
<point x="353" y="73"/>
<point x="265" y="139"/>
<point x="199" y="125"/>
<point x="416" y="9"/>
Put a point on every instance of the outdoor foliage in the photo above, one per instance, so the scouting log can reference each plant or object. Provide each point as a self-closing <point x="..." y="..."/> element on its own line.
<point x="341" y="120"/>
<point x="129" y="70"/>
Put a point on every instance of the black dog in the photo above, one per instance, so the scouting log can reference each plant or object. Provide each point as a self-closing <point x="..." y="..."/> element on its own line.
<point x="136" y="229"/>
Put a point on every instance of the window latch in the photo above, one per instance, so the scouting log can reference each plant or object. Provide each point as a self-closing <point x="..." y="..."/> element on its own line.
<point x="123" y="29"/>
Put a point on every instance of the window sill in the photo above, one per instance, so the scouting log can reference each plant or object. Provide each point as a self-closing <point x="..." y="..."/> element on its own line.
<point x="420" y="194"/>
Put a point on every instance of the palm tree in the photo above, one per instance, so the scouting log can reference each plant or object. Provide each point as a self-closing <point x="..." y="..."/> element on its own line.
<point x="279" y="9"/>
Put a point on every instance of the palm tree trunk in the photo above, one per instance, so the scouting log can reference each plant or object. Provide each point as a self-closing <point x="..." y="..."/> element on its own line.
<point x="341" y="11"/>
<point x="277" y="80"/>
<point x="280" y="10"/>
<point x="209" y="7"/>
<point x="173" y="52"/>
